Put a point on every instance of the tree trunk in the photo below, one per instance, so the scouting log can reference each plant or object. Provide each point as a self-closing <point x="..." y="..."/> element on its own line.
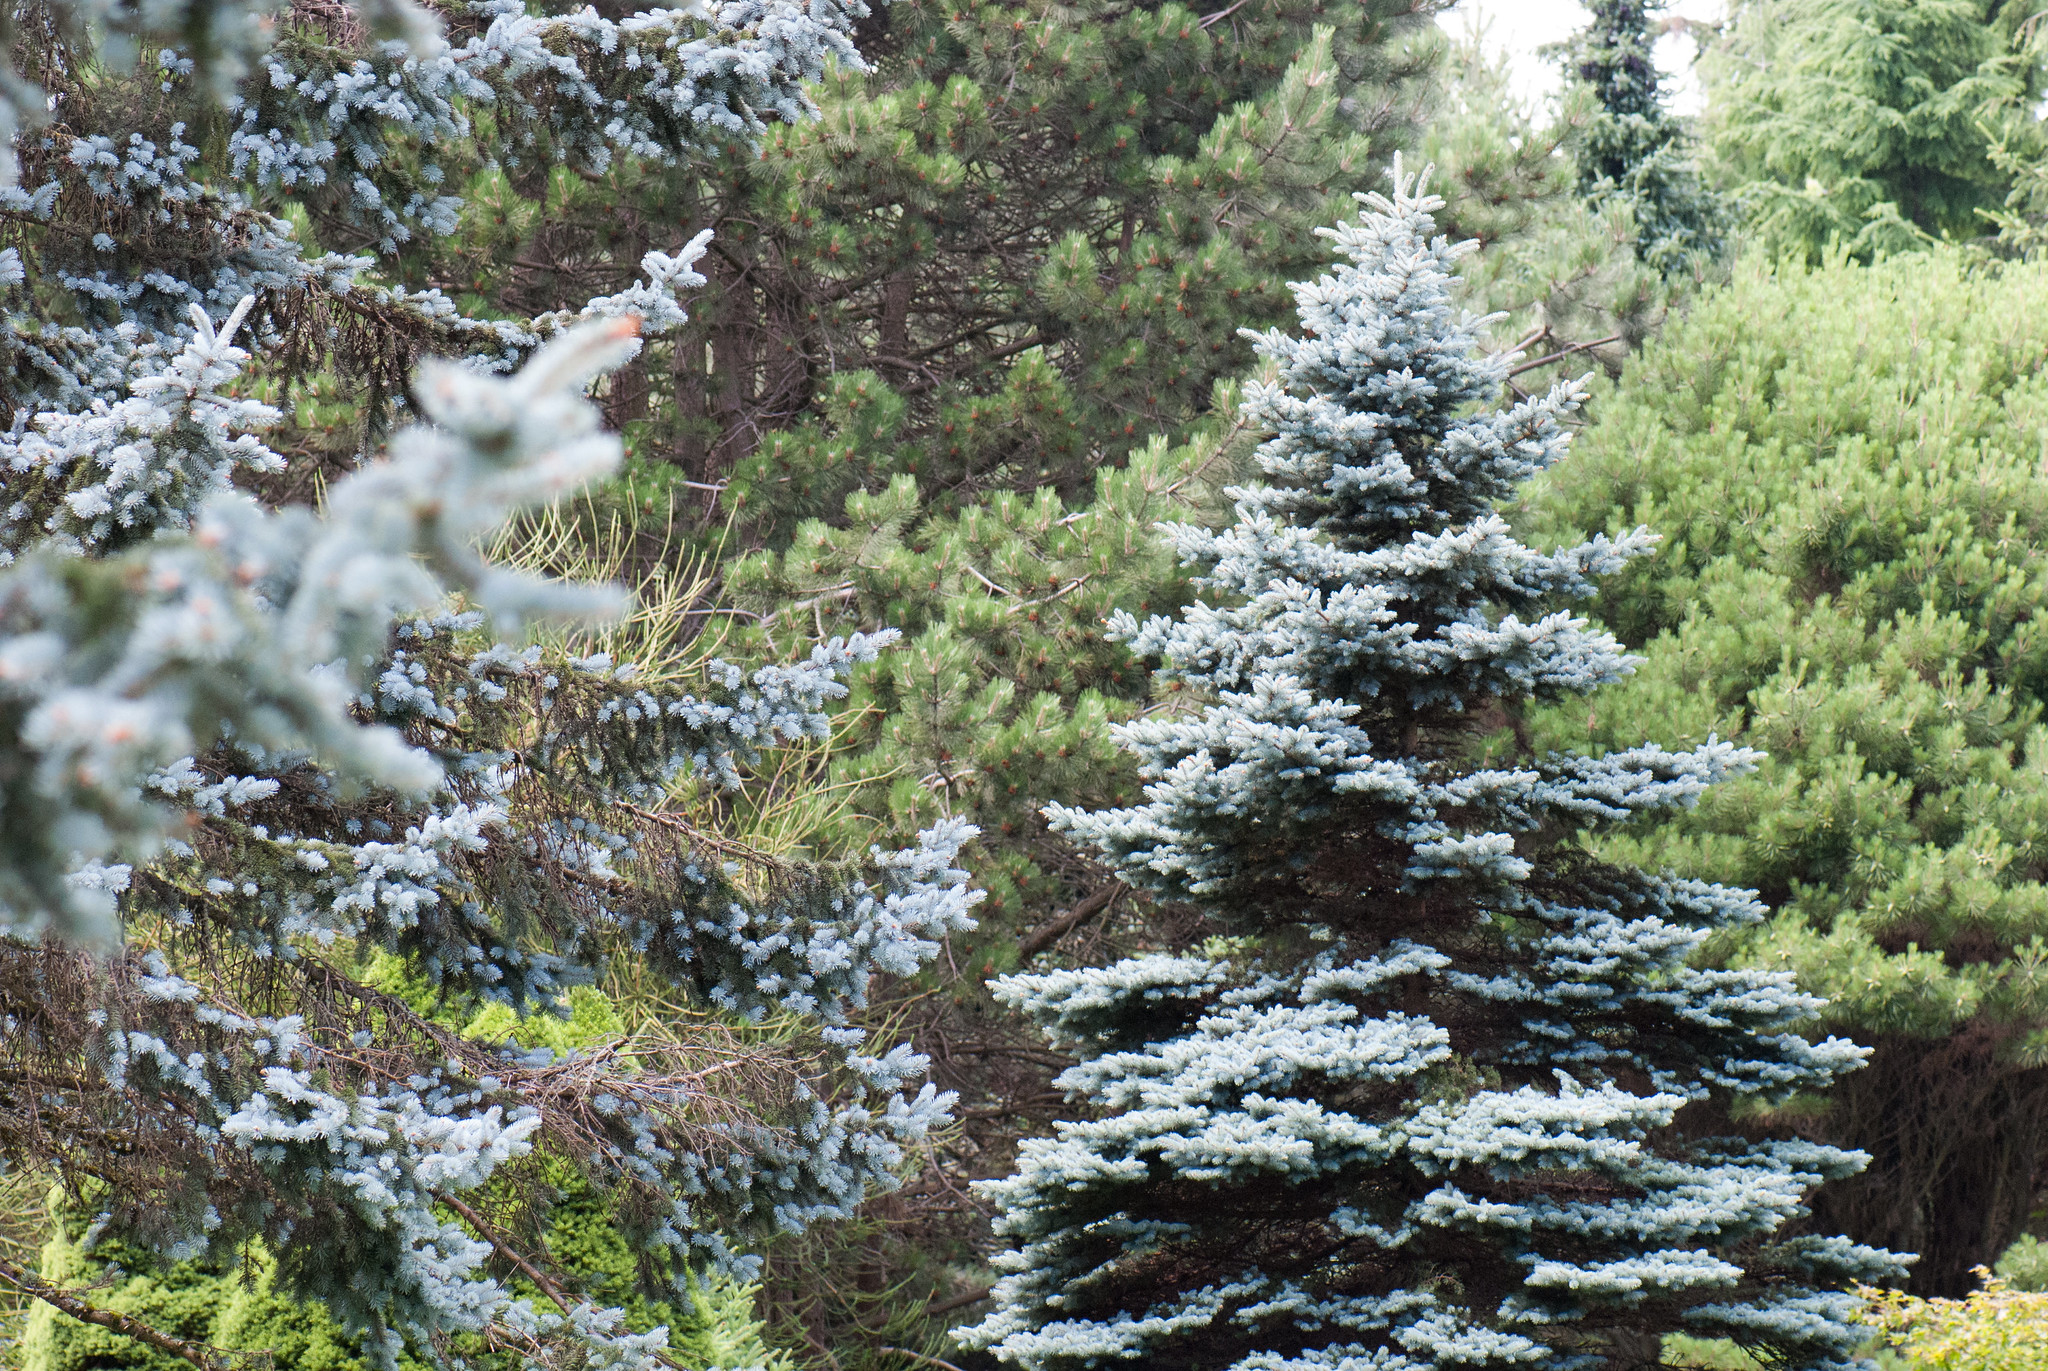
<point x="1956" y="1138"/>
<point x="732" y="372"/>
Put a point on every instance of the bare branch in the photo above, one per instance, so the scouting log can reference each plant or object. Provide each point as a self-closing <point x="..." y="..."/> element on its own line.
<point x="919" y="1356"/>
<point x="1039" y="939"/>
<point x="958" y="1301"/>
<point x="1560" y="356"/>
<point x="68" y="1302"/>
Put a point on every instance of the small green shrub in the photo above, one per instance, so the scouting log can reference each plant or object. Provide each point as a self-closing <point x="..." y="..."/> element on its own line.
<point x="1997" y="1328"/>
<point x="2025" y="1265"/>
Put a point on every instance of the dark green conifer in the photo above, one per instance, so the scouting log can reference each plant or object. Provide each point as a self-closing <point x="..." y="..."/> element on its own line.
<point x="1868" y="123"/>
<point x="1024" y="242"/>
<point x="1632" y="150"/>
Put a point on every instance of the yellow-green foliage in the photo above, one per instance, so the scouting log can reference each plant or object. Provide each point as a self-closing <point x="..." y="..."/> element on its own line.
<point x="233" y="1311"/>
<point x="1996" y="1328"/>
<point x="1846" y="468"/>
<point x="181" y="1299"/>
<point x="591" y="1017"/>
<point x="240" y="1312"/>
<point x="297" y="1336"/>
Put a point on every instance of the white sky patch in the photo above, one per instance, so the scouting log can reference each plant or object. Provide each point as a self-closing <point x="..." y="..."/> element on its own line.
<point x="1521" y="27"/>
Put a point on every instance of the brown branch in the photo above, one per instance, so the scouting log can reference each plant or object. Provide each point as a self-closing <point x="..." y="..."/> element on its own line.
<point x="985" y="580"/>
<point x="996" y="356"/>
<point x="731" y="847"/>
<point x="1560" y="356"/>
<point x="1041" y="938"/>
<point x="507" y="1251"/>
<point x="1072" y="585"/>
<point x="958" y="1301"/>
<point x="845" y="591"/>
<point x="964" y="336"/>
<point x="1209" y="19"/>
<point x="527" y="1268"/>
<point x="919" y="1356"/>
<point x="68" y="1302"/>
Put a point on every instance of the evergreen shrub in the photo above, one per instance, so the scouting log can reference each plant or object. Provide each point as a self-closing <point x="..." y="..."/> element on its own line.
<point x="1845" y="465"/>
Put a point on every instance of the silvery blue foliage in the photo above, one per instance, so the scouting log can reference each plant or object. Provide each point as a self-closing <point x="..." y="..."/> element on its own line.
<point x="261" y="742"/>
<point x="366" y="115"/>
<point x="223" y="612"/>
<point x="576" y="86"/>
<point x="105" y="476"/>
<point x="217" y="729"/>
<point x="1421" y="1106"/>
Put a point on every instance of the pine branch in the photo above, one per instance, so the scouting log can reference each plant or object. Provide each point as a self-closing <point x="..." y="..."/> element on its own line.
<point x="1560" y="356"/>
<point x="958" y="1301"/>
<point x="919" y="1357"/>
<point x="510" y="1253"/>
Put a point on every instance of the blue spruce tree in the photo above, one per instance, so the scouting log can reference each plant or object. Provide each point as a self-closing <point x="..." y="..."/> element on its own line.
<point x="1417" y="1103"/>
<point x="248" y="754"/>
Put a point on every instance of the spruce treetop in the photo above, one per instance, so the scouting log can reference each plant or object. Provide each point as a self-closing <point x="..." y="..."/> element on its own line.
<point x="1633" y="152"/>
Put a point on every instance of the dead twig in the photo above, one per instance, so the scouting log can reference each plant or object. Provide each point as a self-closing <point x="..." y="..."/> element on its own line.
<point x="1560" y="356"/>
<point x="958" y="1301"/>
<point x="919" y="1356"/>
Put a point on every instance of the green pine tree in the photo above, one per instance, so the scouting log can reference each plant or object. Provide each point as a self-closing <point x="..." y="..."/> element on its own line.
<point x="1845" y="466"/>
<point x="1565" y="273"/>
<point x="1034" y="226"/>
<point x="1023" y="244"/>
